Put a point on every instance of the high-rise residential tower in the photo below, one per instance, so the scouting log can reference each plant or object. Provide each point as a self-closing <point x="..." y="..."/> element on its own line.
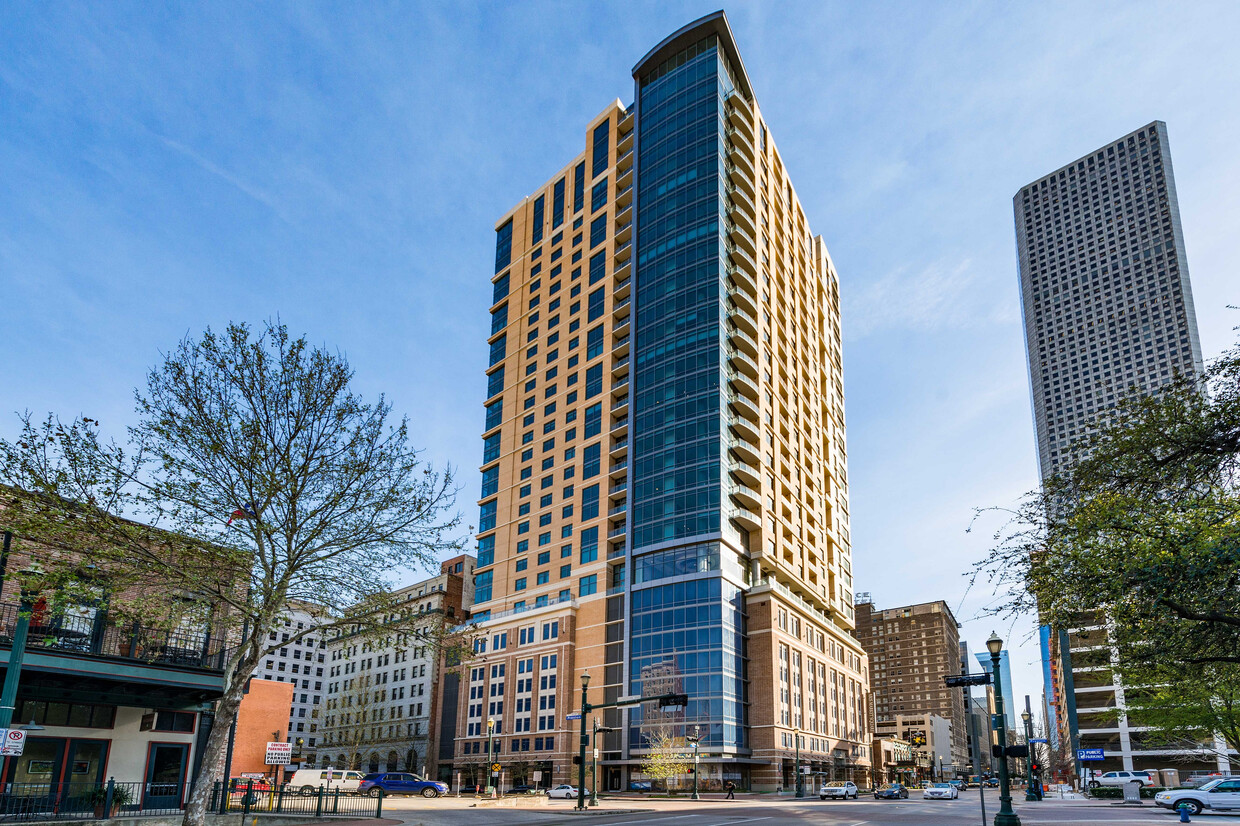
<point x="664" y="471"/>
<point x="1108" y="311"/>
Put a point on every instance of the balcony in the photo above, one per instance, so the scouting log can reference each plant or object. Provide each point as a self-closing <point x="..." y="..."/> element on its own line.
<point x="620" y="426"/>
<point x="622" y="287"/>
<point x="619" y="447"/>
<point x="745" y="406"/>
<point x="625" y="196"/>
<point x="620" y="385"/>
<point x="621" y="346"/>
<point x="743" y="427"/>
<point x="744" y="472"/>
<point x="620" y="404"/>
<point x="743" y="361"/>
<point x="624" y="232"/>
<point x="743" y="339"/>
<point x="622" y="271"/>
<point x="625" y="143"/>
<point x="623" y="254"/>
<point x="618" y="468"/>
<point x="86" y="657"/>
<point x="740" y="113"/>
<point x="618" y="510"/>
<point x="744" y="383"/>
<point x="744" y="257"/>
<point x="620" y="308"/>
<point x="739" y="178"/>
<point x="746" y="496"/>
<point x="742" y="160"/>
<point x="624" y="177"/>
<point x="743" y="218"/>
<point x="618" y="531"/>
<point x="745" y="447"/>
<point x="742" y="317"/>
<point x="747" y="519"/>
<point x="619" y="488"/>
<point x="742" y="237"/>
<point x="742" y="203"/>
<point x="620" y="365"/>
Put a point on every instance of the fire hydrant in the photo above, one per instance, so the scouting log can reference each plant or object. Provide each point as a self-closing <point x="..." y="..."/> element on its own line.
<point x="1183" y="813"/>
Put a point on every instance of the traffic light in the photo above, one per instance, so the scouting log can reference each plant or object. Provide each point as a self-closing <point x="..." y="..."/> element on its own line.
<point x="1034" y="767"/>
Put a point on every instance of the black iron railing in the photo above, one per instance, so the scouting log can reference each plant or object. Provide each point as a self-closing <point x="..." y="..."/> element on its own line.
<point x="91" y="632"/>
<point x="102" y="801"/>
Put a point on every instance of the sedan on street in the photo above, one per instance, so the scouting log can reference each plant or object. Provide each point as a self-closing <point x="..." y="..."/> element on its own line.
<point x="940" y="791"/>
<point x="566" y="792"/>
<point x="838" y="790"/>
<point x="892" y="791"/>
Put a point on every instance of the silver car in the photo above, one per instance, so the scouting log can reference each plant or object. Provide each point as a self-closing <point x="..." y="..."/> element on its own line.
<point x="940" y="791"/>
<point x="838" y="790"/>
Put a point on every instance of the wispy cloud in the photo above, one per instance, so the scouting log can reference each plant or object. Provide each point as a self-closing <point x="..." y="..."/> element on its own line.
<point x="942" y="295"/>
<point x="263" y="197"/>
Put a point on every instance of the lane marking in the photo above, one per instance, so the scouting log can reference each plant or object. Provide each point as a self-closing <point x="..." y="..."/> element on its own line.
<point x="649" y="820"/>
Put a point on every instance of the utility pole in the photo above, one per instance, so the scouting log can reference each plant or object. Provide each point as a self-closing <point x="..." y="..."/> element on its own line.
<point x="594" y="759"/>
<point x="800" y="788"/>
<point x="1027" y="717"/>
<point x="491" y="755"/>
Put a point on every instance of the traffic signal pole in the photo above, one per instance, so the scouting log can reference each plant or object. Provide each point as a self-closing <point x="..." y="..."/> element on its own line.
<point x="663" y="700"/>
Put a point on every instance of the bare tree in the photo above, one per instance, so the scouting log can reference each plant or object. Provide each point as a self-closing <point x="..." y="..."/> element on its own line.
<point x="253" y="478"/>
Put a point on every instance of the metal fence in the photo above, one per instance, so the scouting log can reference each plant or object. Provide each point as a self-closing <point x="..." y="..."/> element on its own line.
<point x="100" y="801"/>
<point x="88" y="801"/>
<point x="322" y="802"/>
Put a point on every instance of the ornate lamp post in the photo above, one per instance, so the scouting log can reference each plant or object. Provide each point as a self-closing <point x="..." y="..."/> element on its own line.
<point x="800" y="787"/>
<point x="581" y="751"/>
<point x="1030" y="794"/>
<point x="1005" y="817"/>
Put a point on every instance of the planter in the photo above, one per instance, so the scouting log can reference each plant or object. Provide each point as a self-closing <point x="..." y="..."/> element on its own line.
<point x="99" y="815"/>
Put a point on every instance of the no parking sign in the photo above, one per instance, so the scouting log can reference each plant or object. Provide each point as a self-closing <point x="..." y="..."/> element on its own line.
<point x="14" y="742"/>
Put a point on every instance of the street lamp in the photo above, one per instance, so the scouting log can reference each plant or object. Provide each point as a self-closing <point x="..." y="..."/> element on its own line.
<point x="695" y="739"/>
<point x="581" y="755"/>
<point x="491" y="755"/>
<point x="940" y="769"/>
<point x="1005" y="817"/>
<point x="800" y="788"/>
<point x="1030" y="794"/>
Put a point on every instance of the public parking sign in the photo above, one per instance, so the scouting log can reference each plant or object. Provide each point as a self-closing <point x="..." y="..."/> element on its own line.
<point x="279" y="754"/>
<point x="14" y="741"/>
<point x="1090" y="754"/>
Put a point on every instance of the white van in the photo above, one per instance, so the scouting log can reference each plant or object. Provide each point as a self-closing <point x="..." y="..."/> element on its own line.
<point x="308" y="781"/>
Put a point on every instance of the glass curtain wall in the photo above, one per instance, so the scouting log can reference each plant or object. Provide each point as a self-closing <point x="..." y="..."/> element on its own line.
<point x="686" y="636"/>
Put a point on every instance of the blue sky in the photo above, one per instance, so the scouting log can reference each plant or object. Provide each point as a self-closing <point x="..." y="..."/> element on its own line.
<point x="167" y="167"/>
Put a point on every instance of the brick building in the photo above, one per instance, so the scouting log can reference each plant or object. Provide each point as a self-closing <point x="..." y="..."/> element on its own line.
<point x="911" y="650"/>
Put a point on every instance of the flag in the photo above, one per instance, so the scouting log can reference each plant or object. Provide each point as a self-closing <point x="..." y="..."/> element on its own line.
<point x="246" y="511"/>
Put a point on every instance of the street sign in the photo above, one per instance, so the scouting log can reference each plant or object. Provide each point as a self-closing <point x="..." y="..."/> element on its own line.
<point x="279" y="754"/>
<point x="14" y="741"/>
<point x="495" y="768"/>
<point x="596" y="754"/>
<point x="1090" y="754"/>
<point x="1038" y="740"/>
<point x="956" y="681"/>
<point x="576" y="715"/>
<point x="674" y="700"/>
<point x="537" y="775"/>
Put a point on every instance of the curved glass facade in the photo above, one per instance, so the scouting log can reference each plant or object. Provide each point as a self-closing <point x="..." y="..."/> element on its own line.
<point x="685" y="636"/>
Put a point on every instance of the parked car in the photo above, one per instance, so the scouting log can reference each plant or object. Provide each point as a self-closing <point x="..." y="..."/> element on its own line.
<point x="1121" y="778"/>
<point x="399" y="783"/>
<point x="472" y="788"/>
<point x="308" y="781"/>
<point x="240" y="784"/>
<point x="940" y="791"/>
<point x="566" y="791"/>
<point x="838" y="790"/>
<point x="892" y="791"/>
<point x="1218" y="794"/>
<point x="1197" y="780"/>
<point x="524" y="789"/>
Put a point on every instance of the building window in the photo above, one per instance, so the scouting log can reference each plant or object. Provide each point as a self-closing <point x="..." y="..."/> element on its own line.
<point x="587" y="585"/>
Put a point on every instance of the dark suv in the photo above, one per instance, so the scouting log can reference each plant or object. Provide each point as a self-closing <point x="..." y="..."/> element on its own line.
<point x="399" y="783"/>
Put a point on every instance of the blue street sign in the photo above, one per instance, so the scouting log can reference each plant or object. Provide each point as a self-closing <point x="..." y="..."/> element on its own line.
<point x="1038" y="740"/>
<point x="1090" y="754"/>
<point x="576" y="715"/>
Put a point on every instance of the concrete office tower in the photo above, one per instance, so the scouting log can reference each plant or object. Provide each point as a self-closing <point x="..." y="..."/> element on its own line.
<point x="911" y="649"/>
<point x="664" y="469"/>
<point x="1108" y="310"/>
<point x="1104" y="287"/>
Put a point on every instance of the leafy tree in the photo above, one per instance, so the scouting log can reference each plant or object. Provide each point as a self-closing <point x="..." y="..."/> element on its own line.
<point x="331" y="497"/>
<point x="664" y="760"/>
<point x="1142" y="535"/>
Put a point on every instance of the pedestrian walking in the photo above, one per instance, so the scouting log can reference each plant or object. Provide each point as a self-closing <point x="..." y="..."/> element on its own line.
<point x="731" y="787"/>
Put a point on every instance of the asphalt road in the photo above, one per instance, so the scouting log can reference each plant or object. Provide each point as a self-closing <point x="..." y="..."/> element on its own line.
<point x="772" y="812"/>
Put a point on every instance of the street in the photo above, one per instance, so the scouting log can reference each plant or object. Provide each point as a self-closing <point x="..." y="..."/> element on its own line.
<point x="769" y="811"/>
